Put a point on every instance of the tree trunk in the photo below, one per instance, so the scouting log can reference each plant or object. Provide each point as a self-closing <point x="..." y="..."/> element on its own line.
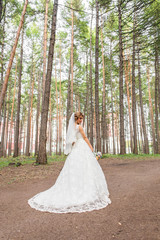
<point x="156" y="104"/>
<point x="87" y="95"/>
<point x="29" y="114"/>
<point x="7" y="121"/>
<point x="60" y="107"/>
<point x="98" y="140"/>
<point x="114" y="151"/>
<point x="31" y="145"/>
<point x="158" y="74"/>
<point x="18" y="103"/>
<point x="151" y="113"/>
<point x="103" y="95"/>
<point x="42" y="156"/>
<point x="57" y="125"/>
<point x="11" y="122"/>
<point x="50" y="126"/>
<point x="146" y="146"/>
<point x="24" y="137"/>
<point x="122" y="139"/>
<point x="4" y="88"/>
<point x="3" y="132"/>
<point x="90" y="83"/>
<point x="72" y="40"/>
<point x="68" y="96"/>
<point x="134" y="118"/>
<point x="141" y="144"/>
<point x="20" y="137"/>
<point x="37" y="117"/>
<point x="1" y="9"/>
<point x="45" y="46"/>
<point x="2" y="51"/>
<point x="128" y="100"/>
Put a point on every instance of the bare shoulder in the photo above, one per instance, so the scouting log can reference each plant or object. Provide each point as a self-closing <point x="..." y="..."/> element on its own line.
<point x="80" y="128"/>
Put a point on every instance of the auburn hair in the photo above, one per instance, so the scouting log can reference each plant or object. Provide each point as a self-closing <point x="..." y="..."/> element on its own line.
<point x="78" y="115"/>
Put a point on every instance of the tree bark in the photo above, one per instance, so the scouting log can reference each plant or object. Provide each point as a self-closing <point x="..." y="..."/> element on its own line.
<point x="29" y="115"/>
<point x="11" y="122"/>
<point x="4" y="88"/>
<point x="45" y="46"/>
<point x="87" y="95"/>
<point x="114" y="151"/>
<point x="57" y="125"/>
<point x="126" y="69"/>
<point x="158" y="74"/>
<point x="19" y="102"/>
<point x="103" y="95"/>
<point x="50" y="126"/>
<point x="37" y="117"/>
<point x="98" y="140"/>
<point x="156" y="104"/>
<point x="90" y="83"/>
<point x="72" y="40"/>
<point x="42" y="156"/>
<point x="122" y="138"/>
<point x="134" y="118"/>
<point x="146" y="146"/>
<point x="60" y="107"/>
<point x="3" y="132"/>
<point x="68" y="96"/>
<point x="2" y="51"/>
<point x="7" y="121"/>
<point x="1" y="8"/>
<point x="151" y="112"/>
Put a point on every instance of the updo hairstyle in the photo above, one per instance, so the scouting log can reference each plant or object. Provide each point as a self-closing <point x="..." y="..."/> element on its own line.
<point x="78" y="115"/>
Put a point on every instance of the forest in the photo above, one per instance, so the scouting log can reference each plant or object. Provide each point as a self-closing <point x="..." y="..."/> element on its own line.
<point x="100" y="57"/>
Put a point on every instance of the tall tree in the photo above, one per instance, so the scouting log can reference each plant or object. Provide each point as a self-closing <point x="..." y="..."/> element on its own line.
<point x="19" y="102"/>
<point x="4" y="88"/>
<point x="156" y="102"/>
<point x="42" y="156"/>
<point x="37" y="115"/>
<point x="146" y="146"/>
<point x="72" y="41"/>
<point x="114" y="150"/>
<point x="45" y="45"/>
<point x="30" y="109"/>
<point x="122" y="138"/>
<point x="127" y="70"/>
<point x="68" y="95"/>
<point x="135" y="149"/>
<point x="1" y="8"/>
<point x="151" y="112"/>
<point x="104" y="93"/>
<point x="90" y="83"/>
<point x="98" y="140"/>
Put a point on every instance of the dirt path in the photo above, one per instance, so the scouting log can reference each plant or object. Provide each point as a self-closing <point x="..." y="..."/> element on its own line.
<point x="134" y="213"/>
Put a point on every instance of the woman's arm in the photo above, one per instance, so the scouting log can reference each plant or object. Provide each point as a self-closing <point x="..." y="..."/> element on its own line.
<point x="85" y="138"/>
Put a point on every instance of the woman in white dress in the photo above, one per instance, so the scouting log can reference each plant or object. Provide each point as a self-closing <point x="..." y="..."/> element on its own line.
<point x="81" y="185"/>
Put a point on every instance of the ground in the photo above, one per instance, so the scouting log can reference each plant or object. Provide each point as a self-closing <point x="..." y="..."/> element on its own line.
<point x="134" y="213"/>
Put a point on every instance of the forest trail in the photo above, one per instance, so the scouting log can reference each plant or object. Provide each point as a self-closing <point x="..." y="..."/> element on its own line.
<point x="134" y="214"/>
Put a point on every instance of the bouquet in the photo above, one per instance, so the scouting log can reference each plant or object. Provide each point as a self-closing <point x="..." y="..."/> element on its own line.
<point x="98" y="155"/>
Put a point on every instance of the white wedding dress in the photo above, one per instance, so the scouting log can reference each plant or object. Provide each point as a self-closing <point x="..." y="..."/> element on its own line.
<point x="81" y="185"/>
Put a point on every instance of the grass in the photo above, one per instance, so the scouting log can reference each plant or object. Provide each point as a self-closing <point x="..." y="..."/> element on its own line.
<point x="131" y="155"/>
<point x="28" y="160"/>
<point x="32" y="159"/>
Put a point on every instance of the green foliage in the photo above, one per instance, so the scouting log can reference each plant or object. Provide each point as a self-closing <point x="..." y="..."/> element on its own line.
<point x="28" y="160"/>
<point x="132" y="156"/>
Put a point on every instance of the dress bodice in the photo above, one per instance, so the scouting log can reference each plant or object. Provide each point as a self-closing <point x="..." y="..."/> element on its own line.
<point x="78" y="134"/>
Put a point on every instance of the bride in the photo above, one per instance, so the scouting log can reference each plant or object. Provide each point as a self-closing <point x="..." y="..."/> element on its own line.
<point x="81" y="185"/>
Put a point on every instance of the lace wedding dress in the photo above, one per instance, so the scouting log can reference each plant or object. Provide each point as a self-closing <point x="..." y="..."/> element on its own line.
<point x="81" y="185"/>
